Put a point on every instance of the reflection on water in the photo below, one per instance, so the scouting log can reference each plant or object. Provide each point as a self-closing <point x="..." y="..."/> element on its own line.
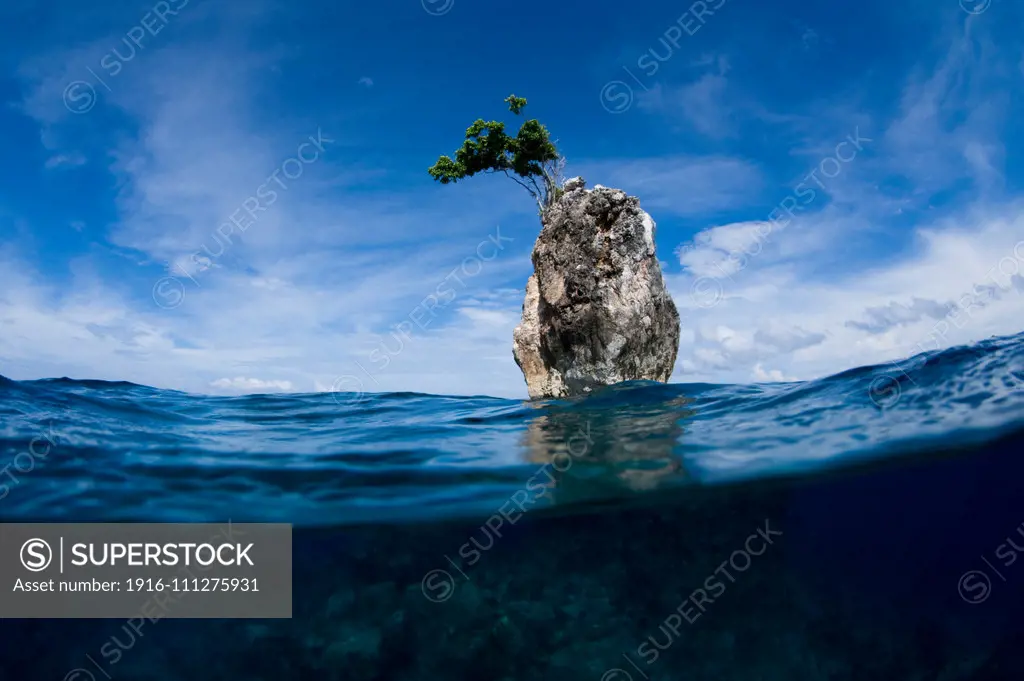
<point x="607" y="448"/>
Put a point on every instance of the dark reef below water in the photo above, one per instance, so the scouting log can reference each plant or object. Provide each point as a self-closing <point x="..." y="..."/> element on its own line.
<point x="846" y="577"/>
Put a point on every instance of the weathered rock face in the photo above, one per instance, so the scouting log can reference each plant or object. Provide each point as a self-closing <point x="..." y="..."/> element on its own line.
<point x="596" y="310"/>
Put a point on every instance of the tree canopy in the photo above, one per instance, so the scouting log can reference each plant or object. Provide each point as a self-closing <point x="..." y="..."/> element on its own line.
<point x="530" y="158"/>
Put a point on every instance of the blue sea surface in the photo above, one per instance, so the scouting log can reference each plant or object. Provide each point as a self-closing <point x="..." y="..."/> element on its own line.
<point x="76" y="449"/>
<point x="612" y="537"/>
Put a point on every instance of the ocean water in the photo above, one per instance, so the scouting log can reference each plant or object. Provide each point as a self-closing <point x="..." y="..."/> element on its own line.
<point x="868" y="525"/>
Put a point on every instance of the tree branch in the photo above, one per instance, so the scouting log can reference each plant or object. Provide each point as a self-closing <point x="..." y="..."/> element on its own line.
<point x="534" y="194"/>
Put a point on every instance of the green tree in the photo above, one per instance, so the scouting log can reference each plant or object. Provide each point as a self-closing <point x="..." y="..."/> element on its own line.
<point x="530" y="158"/>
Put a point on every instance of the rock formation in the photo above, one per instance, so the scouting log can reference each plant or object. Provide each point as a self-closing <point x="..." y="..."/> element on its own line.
<point x="596" y="310"/>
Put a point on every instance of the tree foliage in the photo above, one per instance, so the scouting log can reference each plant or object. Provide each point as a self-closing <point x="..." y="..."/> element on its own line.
<point x="530" y="158"/>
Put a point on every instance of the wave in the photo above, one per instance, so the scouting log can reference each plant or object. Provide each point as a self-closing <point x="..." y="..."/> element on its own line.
<point x="96" y="450"/>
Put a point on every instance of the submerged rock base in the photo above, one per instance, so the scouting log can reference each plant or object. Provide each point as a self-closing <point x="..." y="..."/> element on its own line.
<point x="596" y="310"/>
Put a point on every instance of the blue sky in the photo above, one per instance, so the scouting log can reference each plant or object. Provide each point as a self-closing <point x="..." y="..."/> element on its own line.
<point x="133" y="132"/>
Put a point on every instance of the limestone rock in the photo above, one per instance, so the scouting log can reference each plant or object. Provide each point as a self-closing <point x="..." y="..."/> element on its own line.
<point x="574" y="184"/>
<point x="596" y="310"/>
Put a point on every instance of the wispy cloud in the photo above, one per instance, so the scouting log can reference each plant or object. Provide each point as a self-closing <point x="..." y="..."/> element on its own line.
<point x="910" y="245"/>
<point x="681" y="185"/>
<point x="72" y="160"/>
<point x="850" y="282"/>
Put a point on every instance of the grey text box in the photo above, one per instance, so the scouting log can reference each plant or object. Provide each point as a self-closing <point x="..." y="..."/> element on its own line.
<point x="145" y="570"/>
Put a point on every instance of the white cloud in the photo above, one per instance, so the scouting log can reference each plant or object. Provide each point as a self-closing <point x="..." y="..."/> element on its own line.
<point x="680" y="185"/>
<point x="250" y="385"/>
<point x="304" y="296"/>
<point x="842" y="285"/>
<point x="963" y="282"/>
<point x="703" y="104"/>
<point x="71" y="160"/>
<point x="324" y="286"/>
<point x="770" y="376"/>
<point x="721" y="251"/>
<point x="951" y="120"/>
<point x="288" y="338"/>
